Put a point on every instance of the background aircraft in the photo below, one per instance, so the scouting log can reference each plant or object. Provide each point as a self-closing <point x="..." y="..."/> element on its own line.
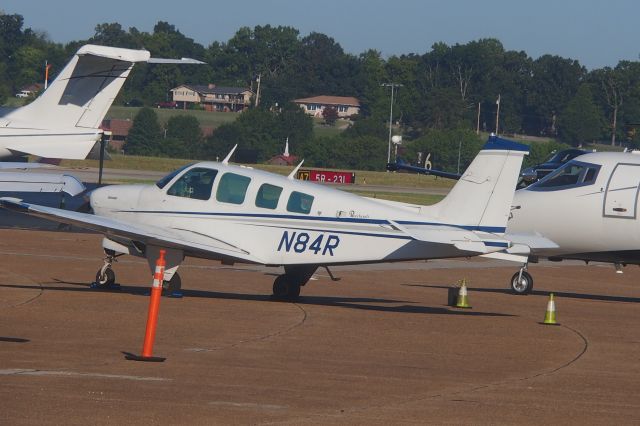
<point x="586" y="210"/>
<point x="64" y="121"/>
<point x="237" y="214"/>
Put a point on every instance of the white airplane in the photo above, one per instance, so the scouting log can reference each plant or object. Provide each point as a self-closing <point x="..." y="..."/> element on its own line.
<point x="233" y="214"/>
<point x="585" y="210"/>
<point x="64" y="121"/>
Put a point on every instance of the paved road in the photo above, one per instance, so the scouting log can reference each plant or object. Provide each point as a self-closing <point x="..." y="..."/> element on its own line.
<point x="378" y="347"/>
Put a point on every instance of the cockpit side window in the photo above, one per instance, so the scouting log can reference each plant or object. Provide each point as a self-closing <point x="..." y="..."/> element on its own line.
<point x="268" y="196"/>
<point x="232" y="188"/>
<point x="196" y="183"/>
<point x="165" y="180"/>
<point x="299" y="202"/>
<point x="571" y="175"/>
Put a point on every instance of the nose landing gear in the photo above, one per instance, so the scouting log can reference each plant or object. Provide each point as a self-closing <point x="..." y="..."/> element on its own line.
<point x="105" y="277"/>
<point x="522" y="282"/>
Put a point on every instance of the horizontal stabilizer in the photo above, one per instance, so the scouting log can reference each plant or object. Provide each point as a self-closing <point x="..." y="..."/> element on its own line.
<point x="533" y="241"/>
<point x="461" y="239"/>
<point x="72" y="148"/>
<point x="181" y="61"/>
<point x="20" y="165"/>
<point x="40" y="182"/>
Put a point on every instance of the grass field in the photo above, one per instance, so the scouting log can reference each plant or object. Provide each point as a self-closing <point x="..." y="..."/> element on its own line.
<point x="396" y="180"/>
<point x="132" y="162"/>
<point x="214" y="119"/>
<point x="206" y="118"/>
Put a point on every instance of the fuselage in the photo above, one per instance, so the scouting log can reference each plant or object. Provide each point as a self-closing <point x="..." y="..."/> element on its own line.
<point x="589" y="208"/>
<point x="276" y="219"/>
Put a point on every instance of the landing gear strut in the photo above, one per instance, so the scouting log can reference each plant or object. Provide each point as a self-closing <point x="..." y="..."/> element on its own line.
<point x="105" y="277"/>
<point x="287" y="286"/>
<point x="522" y="282"/>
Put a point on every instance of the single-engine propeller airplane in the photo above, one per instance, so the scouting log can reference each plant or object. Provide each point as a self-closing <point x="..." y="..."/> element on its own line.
<point x="235" y="213"/>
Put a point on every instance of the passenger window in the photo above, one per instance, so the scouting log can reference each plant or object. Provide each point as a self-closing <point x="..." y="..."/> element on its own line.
<point x="196" y="183"/>
<point x="232" y="188"/>
<point x="268" y="196"/>
<point x="299" y="202"/>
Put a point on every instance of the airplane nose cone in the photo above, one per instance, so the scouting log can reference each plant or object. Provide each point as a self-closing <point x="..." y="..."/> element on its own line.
<point x="115" y="197"/>
<point x="98" y="197"/>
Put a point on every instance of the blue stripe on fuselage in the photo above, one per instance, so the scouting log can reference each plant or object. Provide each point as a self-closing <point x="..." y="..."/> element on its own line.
<point x="491" y="229"/>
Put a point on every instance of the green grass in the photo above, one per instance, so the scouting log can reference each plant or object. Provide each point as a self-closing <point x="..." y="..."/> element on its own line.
<point x="205" y="118"/>
<point x="404" y="197"/>
<point x="132" y="162"/>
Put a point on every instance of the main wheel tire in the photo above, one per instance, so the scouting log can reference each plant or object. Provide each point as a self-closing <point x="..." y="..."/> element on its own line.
<point x="285" y="289"/>
<point x="174" y="285"/>
<point x="106" y="280"/>
<point x="280" y="287"/>
<point x="522" y="285"/>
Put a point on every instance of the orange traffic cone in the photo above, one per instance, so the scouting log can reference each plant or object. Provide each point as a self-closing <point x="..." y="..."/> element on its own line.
<point x="152" y="317"/>
<point x="550" y="315"/>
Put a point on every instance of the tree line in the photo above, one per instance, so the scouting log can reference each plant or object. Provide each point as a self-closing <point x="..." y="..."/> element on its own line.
<point x="445" y="93"/>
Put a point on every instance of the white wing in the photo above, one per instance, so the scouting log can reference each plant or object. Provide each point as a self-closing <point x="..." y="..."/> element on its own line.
<point x="191" y="243"/>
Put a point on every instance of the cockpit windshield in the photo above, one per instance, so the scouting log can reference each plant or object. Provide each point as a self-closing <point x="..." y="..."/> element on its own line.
<point x="165" y="180"/>
<point x="571" y="175"/>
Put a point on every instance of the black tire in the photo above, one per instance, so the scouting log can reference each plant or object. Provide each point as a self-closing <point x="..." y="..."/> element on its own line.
<point x="285" y="289"/>
<point x="174" y="285"/>
<point x="280" y="287"/>
<point x="108" y="280"/>
<point x="524" y="285"/>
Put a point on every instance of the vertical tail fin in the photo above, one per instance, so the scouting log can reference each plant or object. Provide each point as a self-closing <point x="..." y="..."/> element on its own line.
<point x="481" y="199"/>
<point x="83" y="91"/>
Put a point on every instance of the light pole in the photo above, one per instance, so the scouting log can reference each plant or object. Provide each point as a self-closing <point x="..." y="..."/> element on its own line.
<point x="393" y="86"/>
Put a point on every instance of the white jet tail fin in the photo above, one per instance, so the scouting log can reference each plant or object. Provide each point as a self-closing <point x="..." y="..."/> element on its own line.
<point x="481" y="200"/>
<point x="83" y="91"/>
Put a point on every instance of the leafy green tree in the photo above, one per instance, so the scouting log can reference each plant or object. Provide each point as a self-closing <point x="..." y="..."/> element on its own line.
<point x="445" y="147"/>
<point x="145" y="134"/>
<point x="581" y="121"/>
<point x="262" y="132"/>
<point x="554" y="82"/>
<point x="185" y="129"/>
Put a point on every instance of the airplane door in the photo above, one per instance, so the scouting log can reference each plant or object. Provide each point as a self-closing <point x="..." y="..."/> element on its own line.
<point x="621" y="197"/>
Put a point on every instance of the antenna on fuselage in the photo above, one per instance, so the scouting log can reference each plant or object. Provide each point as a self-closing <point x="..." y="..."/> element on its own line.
<point x="228" y="157"/>
<point x="292" y="175"/>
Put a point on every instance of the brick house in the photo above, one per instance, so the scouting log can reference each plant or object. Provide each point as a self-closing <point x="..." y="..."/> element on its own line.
<point x="346" y="106"/>
<point x="119" y="129"/>
<point x="212" y="97"/>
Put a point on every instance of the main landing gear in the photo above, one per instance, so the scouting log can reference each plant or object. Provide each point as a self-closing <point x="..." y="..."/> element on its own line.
<point x="522" y="282"/>
<point x="287" y="286"/>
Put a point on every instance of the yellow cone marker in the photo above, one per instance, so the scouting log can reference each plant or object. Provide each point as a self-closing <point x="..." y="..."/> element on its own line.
<point x="463" y="301"/>
<point x="550" y="315"/>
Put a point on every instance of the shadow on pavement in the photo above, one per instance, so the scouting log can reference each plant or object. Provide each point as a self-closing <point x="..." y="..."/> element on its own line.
<point x="568" y="295"/>
<point x="362" y="303"/>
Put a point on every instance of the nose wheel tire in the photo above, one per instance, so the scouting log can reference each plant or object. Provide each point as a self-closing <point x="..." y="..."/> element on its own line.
<point x="285" y="289"/>
<point x="522" y="284"/>
<point x="106" y="279"/>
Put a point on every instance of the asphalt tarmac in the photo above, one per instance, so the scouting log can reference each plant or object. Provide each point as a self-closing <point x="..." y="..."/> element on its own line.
<point x="380" y="346"/>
